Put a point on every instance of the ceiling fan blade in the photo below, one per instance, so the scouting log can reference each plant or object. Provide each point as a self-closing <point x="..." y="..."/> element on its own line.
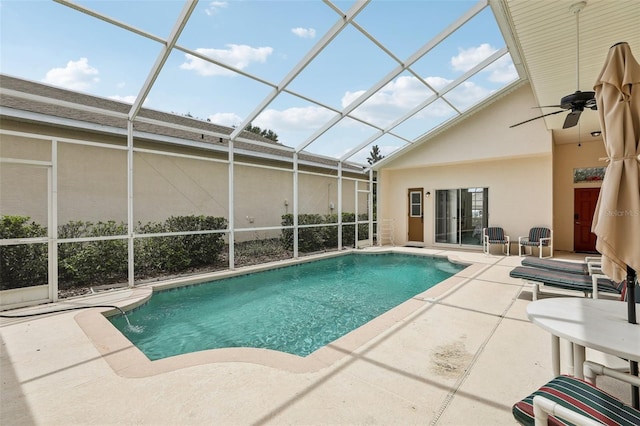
<point x="572" y="119"/>
<point x="535" y="118"/>
<point x="549" y="106"/>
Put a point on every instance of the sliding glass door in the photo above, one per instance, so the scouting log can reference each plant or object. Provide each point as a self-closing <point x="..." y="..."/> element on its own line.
<point x="460" y="215"/>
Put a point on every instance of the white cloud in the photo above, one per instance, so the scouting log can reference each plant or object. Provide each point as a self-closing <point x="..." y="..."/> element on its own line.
<point x="502" y="70"/>
<point x="237" y="55"/>
<point x="294" y="119"/>
<point x="438" y="110"/>
<point x="77" y="75"/>
<point x="467" y="94"/>
<point x="228" y="119"/>
<point x="130" y="99"/>
<point x="215" y="6"/>
<point x="437" y="82"/>
<point x="304" y="32"/>
<point x="349" y="97"/>
<point x="406" y="92"/>
<point x="469" y="58"/>
<point x="391" y="102"/>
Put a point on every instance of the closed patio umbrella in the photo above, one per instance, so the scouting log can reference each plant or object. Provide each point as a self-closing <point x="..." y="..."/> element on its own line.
<point x="617" y="219"/>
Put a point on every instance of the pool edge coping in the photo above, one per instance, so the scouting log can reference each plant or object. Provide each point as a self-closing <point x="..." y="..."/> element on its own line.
<point x="126" y="360"/>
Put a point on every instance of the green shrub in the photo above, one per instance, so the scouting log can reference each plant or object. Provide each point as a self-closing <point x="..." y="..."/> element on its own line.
<point x="259" y="250"/>
<point x="105" y="262"/>
<point x="322" y="237"/>
<point x="202" y="249"/>
<point x="155" y="255"/>
<point x="309" y="239"/>
<point x="22" y="265"/>
<point x="91" y="262"/>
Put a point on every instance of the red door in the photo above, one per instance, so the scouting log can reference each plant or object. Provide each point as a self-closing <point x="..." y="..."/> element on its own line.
<point x="584" y="202"/>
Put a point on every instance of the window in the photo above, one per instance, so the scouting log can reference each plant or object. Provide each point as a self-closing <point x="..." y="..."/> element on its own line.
<point x="460" y="215"/>
<point x="416" y="203"/>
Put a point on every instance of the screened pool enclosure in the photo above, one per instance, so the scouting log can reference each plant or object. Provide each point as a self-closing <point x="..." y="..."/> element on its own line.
<point x="112" y="212"/>
<point x="170" y="177"/>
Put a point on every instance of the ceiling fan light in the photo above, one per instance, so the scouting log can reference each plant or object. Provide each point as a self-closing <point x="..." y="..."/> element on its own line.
<point x="596" y="133"/>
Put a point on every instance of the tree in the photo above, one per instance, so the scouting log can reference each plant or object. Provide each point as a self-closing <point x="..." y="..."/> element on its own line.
<point x="374" y="155"/>
<point x="266" y="133"/>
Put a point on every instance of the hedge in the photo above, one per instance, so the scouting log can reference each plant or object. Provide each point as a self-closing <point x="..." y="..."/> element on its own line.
<point x="103" y="262"/>
<point x="322" y="237"/>
<point x="22" y="265"/>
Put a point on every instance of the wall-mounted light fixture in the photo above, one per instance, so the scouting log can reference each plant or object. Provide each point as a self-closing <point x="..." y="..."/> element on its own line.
<point x="427" y="194"/>
<point x="596" y="133"/>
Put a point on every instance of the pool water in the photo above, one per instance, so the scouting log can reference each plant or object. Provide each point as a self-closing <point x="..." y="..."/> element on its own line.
<point x="296" y="309"/>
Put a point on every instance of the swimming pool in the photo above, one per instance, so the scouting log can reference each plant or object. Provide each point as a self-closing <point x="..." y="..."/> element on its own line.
<point x="295" y="309"/>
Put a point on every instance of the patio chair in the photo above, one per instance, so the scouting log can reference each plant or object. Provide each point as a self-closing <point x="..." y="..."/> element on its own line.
<point x="495" y="235"/>
<point x="567" y="399"/>
<point x="538" y="237"/>
<point x="590" y="265"/>
<point x="588" y="284"/>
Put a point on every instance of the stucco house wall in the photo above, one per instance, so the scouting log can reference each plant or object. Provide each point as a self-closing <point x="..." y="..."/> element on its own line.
<point x="566" y="158"/>
<point x="479" y="151"/>
<point x="92" y="182"/>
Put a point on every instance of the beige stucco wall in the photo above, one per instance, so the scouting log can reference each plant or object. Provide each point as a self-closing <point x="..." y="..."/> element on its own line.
<point x="23" y="192"/>
<point x="484" y="135"/>
<point x="511" y="191"/>
<point x="566" y="158"/>
<point x="24" y="188"/>
<point x="92" y="184"/>
<point x="172" y="186"/>
<point x="480" y="151"/>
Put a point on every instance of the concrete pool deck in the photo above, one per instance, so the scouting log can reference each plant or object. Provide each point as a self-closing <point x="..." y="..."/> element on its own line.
<point x="461" y="355"/>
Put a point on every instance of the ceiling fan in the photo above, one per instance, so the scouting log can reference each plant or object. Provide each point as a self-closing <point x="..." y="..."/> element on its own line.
<point x="578" y="101"/>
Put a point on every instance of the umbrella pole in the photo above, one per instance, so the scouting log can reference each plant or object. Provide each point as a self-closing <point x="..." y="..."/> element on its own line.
<point x="631" y="311"/>
<point x="631" y="295"/>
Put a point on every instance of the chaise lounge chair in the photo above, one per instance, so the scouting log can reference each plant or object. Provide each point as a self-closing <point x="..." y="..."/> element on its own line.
<point x="567" y="399"/>
<point x="588" y="284"/>
<point x="589" y="266"/>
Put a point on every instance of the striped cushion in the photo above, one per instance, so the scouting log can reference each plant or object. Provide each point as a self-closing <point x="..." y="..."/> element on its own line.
<point x="496" y="235"/>
<point x="564" y="280"/>
<point x="581" y="397"/>
<point x="533" y="243"/>
<point x="536" y="233"/>
<point x="557" y="265"/>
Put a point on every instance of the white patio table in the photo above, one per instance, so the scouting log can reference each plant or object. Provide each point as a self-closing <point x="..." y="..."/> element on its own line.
<point x="587" y="323"/>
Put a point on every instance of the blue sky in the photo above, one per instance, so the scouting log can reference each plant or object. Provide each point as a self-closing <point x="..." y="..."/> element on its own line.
<point x="52" y="43"/>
